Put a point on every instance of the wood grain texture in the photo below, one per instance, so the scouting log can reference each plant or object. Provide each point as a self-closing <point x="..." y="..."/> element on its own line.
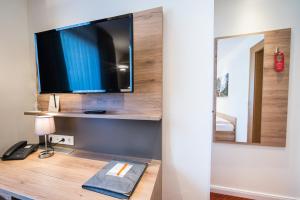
<point x="225" y="136"/>
<point x="61" y="176"/>
<point x="275" y="89"/>
<point x="147" y="96"/>
<point x="215" y="196"/>
<point x="257" y="108"/>
<point x="108" y="115"/>
<point x="157" y="191"/>
<point x="255" y="92"/>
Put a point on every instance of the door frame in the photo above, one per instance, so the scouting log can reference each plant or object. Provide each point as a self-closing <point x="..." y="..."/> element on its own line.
<point x="258" y="47"/>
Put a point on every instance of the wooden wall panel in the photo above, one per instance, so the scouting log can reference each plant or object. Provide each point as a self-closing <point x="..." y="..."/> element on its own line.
<point x="275" y="89"/>
<point x="147" y="96"/>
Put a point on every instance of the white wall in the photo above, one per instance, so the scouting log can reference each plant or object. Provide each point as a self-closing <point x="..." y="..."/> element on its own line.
<point x="188" y="80"/>
<point x="262" y="169"/>
<point x="234" y="59"/>
<point x="17" y="84"/>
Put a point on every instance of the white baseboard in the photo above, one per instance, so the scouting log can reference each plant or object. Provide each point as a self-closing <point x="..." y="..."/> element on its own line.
<point x="248" y="194"/>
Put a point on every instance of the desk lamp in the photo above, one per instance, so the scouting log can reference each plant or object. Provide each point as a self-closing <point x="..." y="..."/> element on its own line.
<point x="44" y="125"/>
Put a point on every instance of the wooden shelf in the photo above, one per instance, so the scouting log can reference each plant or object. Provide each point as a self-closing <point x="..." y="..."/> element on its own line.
<point x="109" y="115"/>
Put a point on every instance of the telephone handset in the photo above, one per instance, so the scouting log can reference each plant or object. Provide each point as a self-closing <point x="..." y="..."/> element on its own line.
<point x="19" y="151"/>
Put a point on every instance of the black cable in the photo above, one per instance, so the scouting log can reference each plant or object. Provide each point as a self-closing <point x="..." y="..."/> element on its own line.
<point x="51" y="146"/>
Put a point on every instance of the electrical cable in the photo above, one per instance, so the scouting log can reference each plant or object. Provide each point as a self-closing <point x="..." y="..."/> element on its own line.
<point x="51" y="146"/>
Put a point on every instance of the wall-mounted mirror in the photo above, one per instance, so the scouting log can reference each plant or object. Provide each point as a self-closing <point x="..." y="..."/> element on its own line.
<point x="251" y="94"/>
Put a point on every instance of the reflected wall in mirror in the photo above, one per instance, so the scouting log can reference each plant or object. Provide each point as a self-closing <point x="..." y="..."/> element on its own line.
<point x="250" y="95"/>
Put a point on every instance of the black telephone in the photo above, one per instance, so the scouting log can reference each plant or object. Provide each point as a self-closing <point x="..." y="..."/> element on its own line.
<point x="20" y="151"/>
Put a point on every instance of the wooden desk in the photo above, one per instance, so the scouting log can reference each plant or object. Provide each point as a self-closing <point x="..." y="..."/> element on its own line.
<point x="61" y="176"/>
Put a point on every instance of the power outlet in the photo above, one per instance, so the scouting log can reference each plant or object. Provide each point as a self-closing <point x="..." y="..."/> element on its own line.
<point x="69" y="140"/>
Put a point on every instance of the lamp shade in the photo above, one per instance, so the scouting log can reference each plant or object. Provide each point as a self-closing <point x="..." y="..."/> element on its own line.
<point x="44" y="125"/>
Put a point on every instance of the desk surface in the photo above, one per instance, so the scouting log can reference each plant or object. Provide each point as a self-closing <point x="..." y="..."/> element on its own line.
<point x="61" y="176"/>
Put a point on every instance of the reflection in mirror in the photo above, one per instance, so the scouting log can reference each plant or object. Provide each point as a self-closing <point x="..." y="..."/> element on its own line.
<point x="251" y="94"/>
<point x="238" y="94"/>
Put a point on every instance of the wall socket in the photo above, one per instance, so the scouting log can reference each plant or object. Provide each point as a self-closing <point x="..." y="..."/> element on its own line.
<point x="69" y="140"/>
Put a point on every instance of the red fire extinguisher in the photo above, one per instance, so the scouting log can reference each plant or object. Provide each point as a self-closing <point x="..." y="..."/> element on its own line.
<point x="278" y="60"/>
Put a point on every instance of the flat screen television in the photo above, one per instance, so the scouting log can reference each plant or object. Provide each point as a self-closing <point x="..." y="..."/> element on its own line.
<point x="92" y="57"/>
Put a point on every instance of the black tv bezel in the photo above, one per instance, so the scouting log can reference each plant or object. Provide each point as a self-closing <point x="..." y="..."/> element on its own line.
<point x="130" y="16"/>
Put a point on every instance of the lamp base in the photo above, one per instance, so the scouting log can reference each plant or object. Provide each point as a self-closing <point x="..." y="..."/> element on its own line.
<point x="46" y="154"/>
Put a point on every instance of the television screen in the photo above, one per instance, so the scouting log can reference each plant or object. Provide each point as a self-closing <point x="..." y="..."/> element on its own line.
<point x="91" y="57"/>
